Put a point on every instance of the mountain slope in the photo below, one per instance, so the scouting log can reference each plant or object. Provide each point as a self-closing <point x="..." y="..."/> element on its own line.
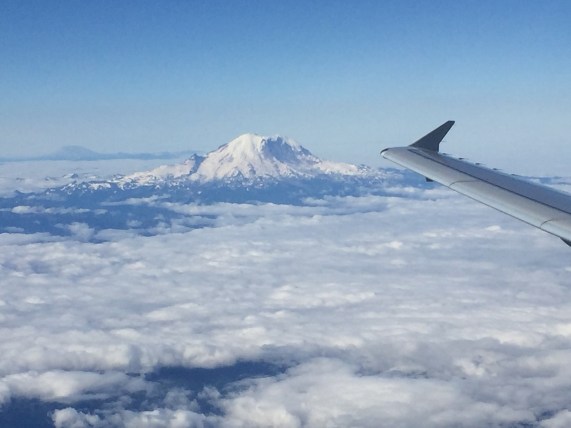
<point x="164" y="173"/>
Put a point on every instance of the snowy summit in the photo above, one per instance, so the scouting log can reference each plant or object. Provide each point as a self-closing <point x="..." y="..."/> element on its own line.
<point x="253" y="156"/>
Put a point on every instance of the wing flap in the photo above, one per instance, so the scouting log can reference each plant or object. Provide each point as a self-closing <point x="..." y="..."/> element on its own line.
<point x="559" y="227"/>
<point x="507" y="202"/>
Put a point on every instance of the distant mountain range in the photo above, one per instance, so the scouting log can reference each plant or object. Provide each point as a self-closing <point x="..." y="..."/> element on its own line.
<point x="249" y="169"/>
<point x="79" y="153"/>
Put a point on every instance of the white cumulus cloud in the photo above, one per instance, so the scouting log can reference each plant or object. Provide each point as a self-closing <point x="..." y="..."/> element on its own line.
<point x="409" y="312"/>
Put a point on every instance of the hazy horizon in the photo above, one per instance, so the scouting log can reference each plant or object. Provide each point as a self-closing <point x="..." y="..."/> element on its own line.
<point x="345" y="80"/>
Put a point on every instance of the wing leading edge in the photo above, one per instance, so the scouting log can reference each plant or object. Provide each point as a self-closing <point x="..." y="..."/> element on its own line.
<point x="540" y="206"/>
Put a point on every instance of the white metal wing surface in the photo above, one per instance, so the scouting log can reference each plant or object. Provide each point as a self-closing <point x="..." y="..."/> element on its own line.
<point x="540" y="206"/>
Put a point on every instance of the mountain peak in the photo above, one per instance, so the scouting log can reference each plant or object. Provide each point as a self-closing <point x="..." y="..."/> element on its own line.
<point x="248" y="144"/>
<point x="253" y="156"/>
<point x="73" y="153"/>
<point x="248" y="139"/>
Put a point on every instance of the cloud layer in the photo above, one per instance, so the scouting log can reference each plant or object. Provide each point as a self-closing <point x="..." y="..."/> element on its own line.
<point x="415" y="312"/>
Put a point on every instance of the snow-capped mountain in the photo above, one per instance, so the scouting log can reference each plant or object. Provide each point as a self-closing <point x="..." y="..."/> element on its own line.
<point x="250" y="169"/>
<point x="247" y="159"/>
<point x="252" y="156"/>
<point x="247" y="169"/>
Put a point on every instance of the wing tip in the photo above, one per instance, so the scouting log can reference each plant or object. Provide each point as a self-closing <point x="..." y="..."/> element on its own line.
<point x="432" y="140"/>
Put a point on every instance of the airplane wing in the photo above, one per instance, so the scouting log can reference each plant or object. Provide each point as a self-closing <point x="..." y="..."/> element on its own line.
<point x="540" y="206"/>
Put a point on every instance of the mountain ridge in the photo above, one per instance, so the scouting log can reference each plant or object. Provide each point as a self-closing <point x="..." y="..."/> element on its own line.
<point x="80" y="153"/>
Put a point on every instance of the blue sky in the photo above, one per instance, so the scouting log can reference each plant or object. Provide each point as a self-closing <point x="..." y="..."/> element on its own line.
<point x="345" y="79"/>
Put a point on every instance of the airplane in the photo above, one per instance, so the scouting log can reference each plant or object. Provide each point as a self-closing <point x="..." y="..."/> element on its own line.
<point x="538" y="205"/>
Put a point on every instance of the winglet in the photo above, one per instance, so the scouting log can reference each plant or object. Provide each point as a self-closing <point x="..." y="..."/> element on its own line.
<point x="431" y="141"/>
